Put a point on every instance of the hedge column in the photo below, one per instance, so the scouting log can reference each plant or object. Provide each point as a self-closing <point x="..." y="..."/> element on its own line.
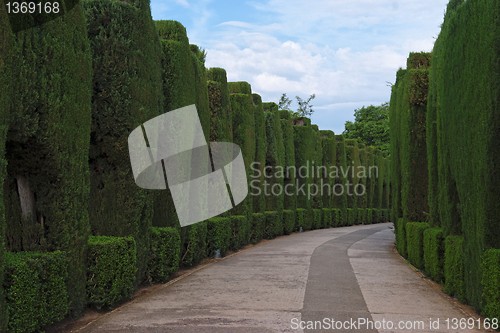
<point x="127" y="92"/>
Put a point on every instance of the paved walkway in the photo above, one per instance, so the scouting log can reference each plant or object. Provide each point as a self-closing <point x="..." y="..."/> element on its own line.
<point x="345" y="278"/>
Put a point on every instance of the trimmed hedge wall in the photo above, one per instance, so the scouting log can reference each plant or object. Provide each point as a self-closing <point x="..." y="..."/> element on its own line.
<point x="48" y="138"/>
<point x="258" y="225"/>
<point x="164" y="254"/>
<point x="289" y="149"/>
<point x="219" y="235"/>
<point x="240" y="231"/>
<point x="221" y="128"/>
<point x="415" y="242"/>
<point x="317" y="218"/>
<point x="194" y="243"/>
<point x="300" y="222"/>
<point x="36" y="291"/>
<point x="434" y="253"/>
<point x="454" y="266"/>
<point x="6" y="45"/>
<point x="327" y="221"/>
<point x="274" y="225"/>
<point x="259" y="204"/>
<point x="401" y="237"/>
<point x="111" y="270"/>
<point x="288" y="221"/>
<point x="490" y="281"/>
<point x="118" y="207"/>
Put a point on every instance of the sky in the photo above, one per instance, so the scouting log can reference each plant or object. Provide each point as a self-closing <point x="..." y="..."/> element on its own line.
<point x="346" y="52"/>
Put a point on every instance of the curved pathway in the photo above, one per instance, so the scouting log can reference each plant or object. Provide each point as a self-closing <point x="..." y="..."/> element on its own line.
<point x="331" y="280"/>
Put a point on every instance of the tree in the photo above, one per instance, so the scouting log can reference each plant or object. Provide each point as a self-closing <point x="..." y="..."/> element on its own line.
<point x="370" y="126"/>
<point x="304" y="107"/>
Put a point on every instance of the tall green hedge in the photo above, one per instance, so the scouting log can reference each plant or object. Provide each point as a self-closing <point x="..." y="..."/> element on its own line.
<point x="490" y="281"/>
<point x="126" y="54"/>
<point x="218" y="235"/>
<point x="466" y="86"/>
<point x="48" y="138"/>
<point x="164" y="254"/>
<point x="290" y="201"/>
<point x="304" y="148"/>
<point x="221" y="128"/>
<point x="6" y="45"/>
<point x="275" y="160"/>
<point x="329" y="160"/>
<point x="340" y="201"/>
<point x="454" y="266"/>
<point x="259" y="204"/>
<point x="415" y="242"/>
<point x="243" y="117"/>
<point x="434" y="253"/>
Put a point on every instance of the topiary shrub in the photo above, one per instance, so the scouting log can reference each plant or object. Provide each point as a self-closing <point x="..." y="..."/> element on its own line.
<point x="195" y="244"/>
<point x="240" y="87"/>
<point x="288" y="221"/>
<point x="274" y="225"/>
<point x="490" y="282"/>
<point x="415" y="243"/>
<point x="257" y="227"/>
<point x="219" y="234"/>
<point x="111" y="270"/>
<point x="317" y="215"/>
<point x="434" y="253"/>
<point x="240" y="231"/>
<point x="454" y="266"/>
<point x="401" y="237"/>
<point x="165" y="253"/>
<point x="35" y="288"/>
<point x="327" y="221"/>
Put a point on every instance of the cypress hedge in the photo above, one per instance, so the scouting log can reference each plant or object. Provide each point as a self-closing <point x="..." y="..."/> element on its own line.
<point x="35" y="286"/>
<point x="415" y="242"/>
<point x="117" y="30"/>
<point x="258" y="224"/>
<point x="220" y="107"/>
<point x="290" y="177"/>
<point x="466" y="86"/>
<point x="240" y="231"/>
<point x="194" y="244"/>
<point x="454" y="266"/>
<point x="490" y="281"/>
<point x="218" y="235"/>
<point x="164" y="254"/>
<point x="259" y="204"/>
<point x="275" y="158"/>
<point x="304" y="148"/>
<point x="288" y="221"/>
<point x="48" y="139"/>
<point x="111" y="270"/>
<point x="6" y="45"/>
<point x="340" y="201"/>
<point x="274" y="224"/>
<point x="434" y="253"/>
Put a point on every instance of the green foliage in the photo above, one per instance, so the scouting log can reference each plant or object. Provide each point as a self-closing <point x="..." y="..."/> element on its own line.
<point x="127" y="92"/>
<point x="240" y="87"/>
<point x="240" y="231"/>
<point x="302" y="219"/>
<point x="259" y="204"/>
<point x="290" y="201"/>
<point x="465" y="89"/>
<point x="434" y="253"/>
<point x="415" y="243"/>
<point x="337" y="218"/>
<point x="172" y="30"/>
<point x="220" y="107"/>
<point x="401" y="237"/>
<point x="49" y="134"/>
<point x="370" y="126"/>
<point x="35" y="288"/>
<point x="317" y="218"/>
<point x="454" y="266"/>
<point x="257" y="227"/>
<point x="194" y="247"/>
<point x="111" y="270"/>
<point x="219" y="235"/>
<point x="6" y="45"/>
<point x="275" y="157"/>
<point x="304" y="148"/>
<point x="490" y="281"/>
<point x="164" y="254"/>
<point x="327" y="220"/>
<point x="288" y="221"/>
<point x="274" y="225"/>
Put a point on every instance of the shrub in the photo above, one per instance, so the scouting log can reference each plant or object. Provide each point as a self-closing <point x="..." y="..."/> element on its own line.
<point x="111" y="270"/>
<point x="454" y="266"/>
<point x="240" y="232"/>
<point x="317" y="218"/>
<point x="401" y="236"/>
<point x="35" y="288"/>
<point x="274" y="225"/>
<point x="434" y="253"/>
<point x="351" y="216"/>
<point x="337" y="217"/>
<point x="195" y="244"/>
<point x="415" y="242"/>
<point x="219" y="235"/>
<point x="257" y="227"/>
<point x="327" y="218"/>
<point x="288" y="221"/>
<point x="490" y="282"/>
<point x="300" y="216"/>
<point x="164" y="253"/>
<point x="370" y="216"/>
